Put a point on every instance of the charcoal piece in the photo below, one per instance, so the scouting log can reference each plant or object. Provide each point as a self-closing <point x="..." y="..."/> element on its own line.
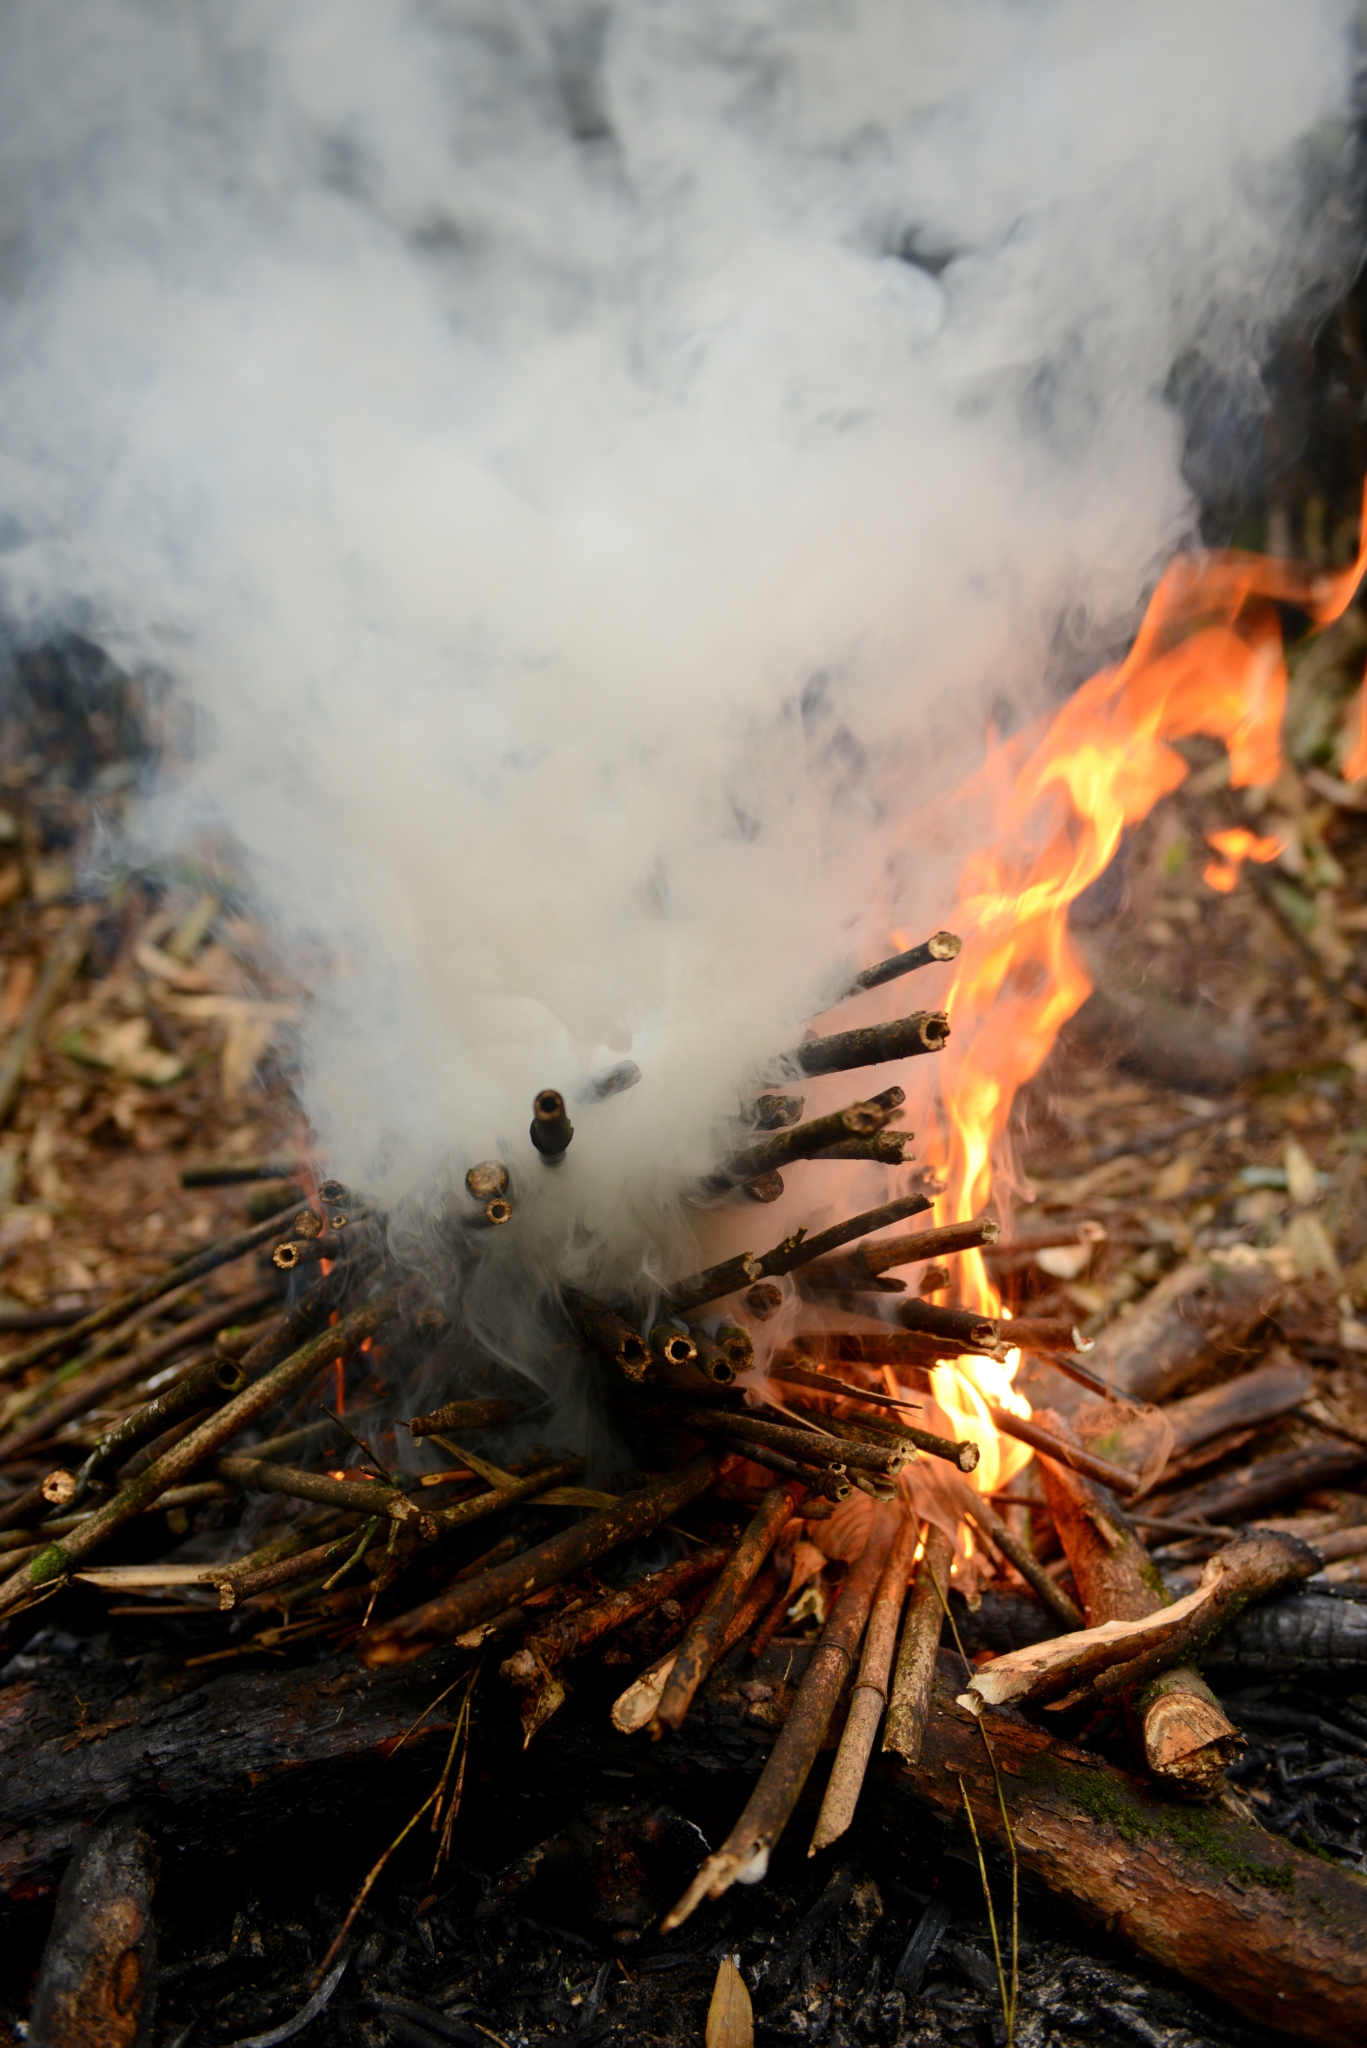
<point x="93" y="1982"/>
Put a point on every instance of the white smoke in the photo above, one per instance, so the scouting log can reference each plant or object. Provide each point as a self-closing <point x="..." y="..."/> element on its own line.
<point x="594" y="469"/>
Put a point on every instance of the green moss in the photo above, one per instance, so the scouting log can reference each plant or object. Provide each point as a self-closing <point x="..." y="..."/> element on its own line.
<point x="49" y="1564"/>
<point x="1199" y="1831"/>
<point x="1152" y="1577"/>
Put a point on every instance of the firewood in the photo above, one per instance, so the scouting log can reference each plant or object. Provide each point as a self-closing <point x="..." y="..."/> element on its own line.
<point x="775" y="1149"/>
<point x="938" y="947"/>
<point x="909" y="1701"/>
<point x="1200" y="1313"/>
<point x="56" y="1401"/>
<point x="869" y="1694"/>
<point x="798" y="1250"/>
<point x="744" y="1855"/>
<point x="1301" y="1634"/>
<point x="551" y="1129"/>
<point x="1254" y="1397"/>
<point x="461" y="1415"/>
<point x="1115" y="1655"/>
<point x="62" y="1343"/>
<point x="701" y="1645"/>
<point x="54" y="1561"/>
<point x="866" y="1267"/>
<point x="1027" y="1564"/>
<point x="101" y="1953"/>
<point x="1238" y="1495"/>
<point x="460" y="1607"/>
<point x="1183" y="1735"/>
<point x="1271" y="1930"/>
<point x="874" y="1044"/>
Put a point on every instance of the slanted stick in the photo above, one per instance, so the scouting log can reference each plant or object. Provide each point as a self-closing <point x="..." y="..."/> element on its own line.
<point x="745" y="1852"/>
<point x="795" y="1251"/>
<point x="460" y="1607"/>
<point x="830" y="1482"/>
<point x="939" y="946"/>
<point x="362" y="1496"/>
<point x="702" y="1641"/>
<point x="901" y="1039"/>
<point x="867" y="1265"/>
<point x="905" y="1728"/>
<point x="635" y="1708"/>
<point x="59" y="969"/>
<point x="861" y="1121"/>
<point x="870" y="1695"/>
<point x="1058" y="1447"/>
<point x="1027" y="1564"/>
<point x="54" y="1562"/>
<point x="812" y="1446"/>
<point x="75" y="1388"/>
<point x="570" y="1635"/>
<point x="61" y="1343"/>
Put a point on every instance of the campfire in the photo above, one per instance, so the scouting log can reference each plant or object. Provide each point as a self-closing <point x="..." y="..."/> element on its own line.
<point x="970" y="1526"/>
<point x="683" y="1025"/>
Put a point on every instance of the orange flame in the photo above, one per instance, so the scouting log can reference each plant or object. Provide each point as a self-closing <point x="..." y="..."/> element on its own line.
<point x="1236" y="846"/>
<point x="1208" y="659"/>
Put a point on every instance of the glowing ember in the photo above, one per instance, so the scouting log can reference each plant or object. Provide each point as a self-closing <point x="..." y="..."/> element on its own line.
<point x="1208" y="659"/>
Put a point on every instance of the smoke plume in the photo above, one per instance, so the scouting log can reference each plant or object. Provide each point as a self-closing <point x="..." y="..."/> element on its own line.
<point x="593" y="470"/>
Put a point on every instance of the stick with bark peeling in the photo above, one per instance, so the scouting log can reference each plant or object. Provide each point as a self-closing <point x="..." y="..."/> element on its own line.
<point x="698" y="1651"/>
<point x="1098" y="1663"/>
<point x="911" y="1687"/>
<point x="869" y="1698"/>
<point x="1179" y="1726"/>
<point x="744" y="1854"/>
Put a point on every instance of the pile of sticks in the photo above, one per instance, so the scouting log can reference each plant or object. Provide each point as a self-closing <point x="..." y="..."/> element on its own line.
<point x="259" y="1421"/>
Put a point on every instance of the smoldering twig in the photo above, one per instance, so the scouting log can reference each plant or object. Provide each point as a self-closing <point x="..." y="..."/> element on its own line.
<point x="800" y="1141"/>
<point x="940" y="946"/>
<point x="798" y="1250"/>
<point x="874" y="1045"/>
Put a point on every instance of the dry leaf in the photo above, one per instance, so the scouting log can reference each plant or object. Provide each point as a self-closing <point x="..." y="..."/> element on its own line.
<point x="730" y="2019"/>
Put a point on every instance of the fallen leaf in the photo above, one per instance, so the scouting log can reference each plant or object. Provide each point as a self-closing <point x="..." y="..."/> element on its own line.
<point x="730" y="2017"/>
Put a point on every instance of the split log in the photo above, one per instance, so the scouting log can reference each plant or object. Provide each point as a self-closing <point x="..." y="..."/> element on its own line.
<point x="101" y="1951"/>
<point x="1183" y="1734"/>
<point x="1238" y="1495"/>
<point x="1200" y="1313"/>
<point x="1273" y="1931"/>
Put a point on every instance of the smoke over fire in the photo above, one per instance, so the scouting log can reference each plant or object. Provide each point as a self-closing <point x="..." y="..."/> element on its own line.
<point x="595" y="473"/>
